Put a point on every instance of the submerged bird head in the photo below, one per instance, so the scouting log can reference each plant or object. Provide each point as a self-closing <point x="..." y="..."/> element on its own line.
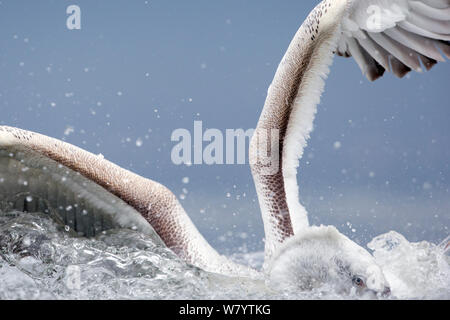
<point x="323" y="256"/>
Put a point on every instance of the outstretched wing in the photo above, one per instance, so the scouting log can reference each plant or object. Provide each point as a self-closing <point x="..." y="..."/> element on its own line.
<point x="91" y="194"/>
<point x="31" y="182"/>
<point x="288" y="115"/>
<point x="396" y="35"/>
<point x="393" y="35"/>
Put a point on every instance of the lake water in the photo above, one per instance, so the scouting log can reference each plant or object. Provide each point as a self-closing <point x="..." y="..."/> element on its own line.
<point x="40" y="259"/>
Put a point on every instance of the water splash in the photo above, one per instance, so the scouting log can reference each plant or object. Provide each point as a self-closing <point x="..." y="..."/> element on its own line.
<point x="415" y="270"/>
<point x="39" y="259"/>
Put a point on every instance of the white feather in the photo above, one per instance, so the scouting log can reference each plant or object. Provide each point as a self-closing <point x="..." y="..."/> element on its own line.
<point x="405" y="29"/>
<point x="435" y="26"/>
<point x="300" y="126"/>
<point x="6" y="139"/>
<point x="434" y="13"/>
<point x="420" y="44"/>
<point x="376" y="51"/>
<point x="438" y="4"/>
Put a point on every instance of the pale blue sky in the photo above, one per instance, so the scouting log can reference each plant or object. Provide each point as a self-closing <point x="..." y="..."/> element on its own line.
<point x="141" y="69"/>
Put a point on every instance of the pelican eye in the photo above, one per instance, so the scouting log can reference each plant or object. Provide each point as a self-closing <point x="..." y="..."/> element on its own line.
<point x="358" y="281"/>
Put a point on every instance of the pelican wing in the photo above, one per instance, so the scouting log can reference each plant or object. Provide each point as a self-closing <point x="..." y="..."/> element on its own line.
<point x="396" y="35"/>
<point x="288" y="114"/>
<point x="31" y="182"/>
<point x="90" y="194"/>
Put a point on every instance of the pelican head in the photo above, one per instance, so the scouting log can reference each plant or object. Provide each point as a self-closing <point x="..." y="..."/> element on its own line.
<point x="323" y="256"/>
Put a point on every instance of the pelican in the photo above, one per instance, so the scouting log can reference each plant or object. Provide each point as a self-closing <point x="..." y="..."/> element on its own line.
<point x="90" y="194"/>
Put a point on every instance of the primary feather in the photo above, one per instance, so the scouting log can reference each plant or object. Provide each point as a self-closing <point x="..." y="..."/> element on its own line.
<point x="398" y="35"/>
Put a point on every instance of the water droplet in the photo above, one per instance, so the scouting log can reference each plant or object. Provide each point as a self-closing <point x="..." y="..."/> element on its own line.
<point x="337" y="145"/>
<point x="26" y="241"/>
<point x="427" y="186"/>
<point x="68" y="130"/>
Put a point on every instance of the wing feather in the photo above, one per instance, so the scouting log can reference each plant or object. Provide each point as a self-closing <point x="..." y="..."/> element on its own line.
<point x="144" y="203"/>
<point x="426" y="23"/>
<point x="398" y="68"/>
<point x="438" y="4"/>
<point x="404" y="54"/>
<point x="400" y="35"/>
<point x="431" y="12"/>
<point x="371" y="68"/>
<point x="376" y="51"/>
<point x="445" y="47"/>
<point x="422" y="45"/>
